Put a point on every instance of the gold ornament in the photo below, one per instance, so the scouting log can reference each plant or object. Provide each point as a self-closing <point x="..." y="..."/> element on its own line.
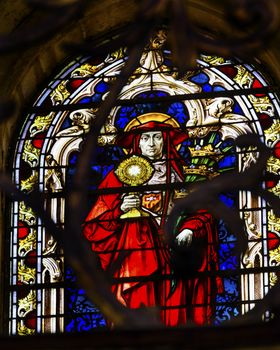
<point x="85" y="70"/>
<point x="273" y="165"/>
<point x="213" y="60"/>
<point x="29" y="184"/>
<point x="262" y="104"/>
<point x="27" y="304"/>
<point x="28" y="244"/>
<point x="60" y="94"/>
<point x="274" y="260"/>
<point x="31" y="154"/>
<point x="273" y="222"/>
<point x="272" y="134"/>
<point x="26" y="214"/>
<point x="23" y="330"/>
<point x="41" y="124"/>
<point x="275" y="190"/>
<point x="153" y="116"/>
<point x="244" y="78"/>
<point x="26" y="274"/>
<point x="134" y="171"/>
<point x="206" y="151"/>
<point x="202" y="170"/>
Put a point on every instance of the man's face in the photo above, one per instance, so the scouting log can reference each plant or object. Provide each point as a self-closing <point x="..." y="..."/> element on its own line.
<point x="151" y="144"/>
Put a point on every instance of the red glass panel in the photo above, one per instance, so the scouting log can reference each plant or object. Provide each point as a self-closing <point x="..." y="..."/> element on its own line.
<point x="273" y="240"/>
<point x="23" y="230"/>
<point x="265" y="120"/>
<point x="38" y="140"/>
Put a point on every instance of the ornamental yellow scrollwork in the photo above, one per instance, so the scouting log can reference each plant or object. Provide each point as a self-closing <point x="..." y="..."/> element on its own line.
<point x="23" y="330"/>
<point x="274" y="260"/>
<point x="273" y="165"/>
<point x="243" y="78"/>
<point x="273" y="222"/>
<point x="27" y="304"/>
<point x="275" y="190"/>
<point x="262" y="104"/>
<point x="272" y="134"/>
<point x="213" y="60"/>
<point x="26" y="214"/>
<point x="60" y="93"/>
<point x="31" y="154"/>
<point x="29" y="184"/>
<point x="120" y="53"/>
<point x="136" y="73"/>
<point x="41" y="123"/>
<point x="202" y="170"/>
<point x="273" y="279"/>
<point x="275" y="255"/>
<point x="85" y="70"/>
<point x="27" y="244"/>
<point x="26" y="274"/>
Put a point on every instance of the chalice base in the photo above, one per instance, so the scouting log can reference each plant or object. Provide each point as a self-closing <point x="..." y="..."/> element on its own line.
<point x="134" y="213"/>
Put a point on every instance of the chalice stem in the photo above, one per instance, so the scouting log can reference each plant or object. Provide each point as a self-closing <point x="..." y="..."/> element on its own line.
<point x="134" y="212"/>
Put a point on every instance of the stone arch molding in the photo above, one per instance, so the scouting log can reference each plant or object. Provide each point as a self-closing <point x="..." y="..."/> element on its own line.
<point x="205" y="115"/>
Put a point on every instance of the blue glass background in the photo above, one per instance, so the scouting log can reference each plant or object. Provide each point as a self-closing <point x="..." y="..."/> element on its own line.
<point x="81" y="314"/>
<point x="176" y="110"/>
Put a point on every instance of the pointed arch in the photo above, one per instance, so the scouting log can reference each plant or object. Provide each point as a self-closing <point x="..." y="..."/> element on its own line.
<point x="41" y="298"/>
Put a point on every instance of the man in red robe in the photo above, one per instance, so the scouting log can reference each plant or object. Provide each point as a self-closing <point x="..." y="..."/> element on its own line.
<point x="133" y="250"/>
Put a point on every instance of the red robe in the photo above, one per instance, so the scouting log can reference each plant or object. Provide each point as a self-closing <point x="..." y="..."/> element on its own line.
<point x="133" y="250"/>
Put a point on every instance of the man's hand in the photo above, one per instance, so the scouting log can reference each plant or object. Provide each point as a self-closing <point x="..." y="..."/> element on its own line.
<point x="130" y="201"/>
<point x="184" y="238"/>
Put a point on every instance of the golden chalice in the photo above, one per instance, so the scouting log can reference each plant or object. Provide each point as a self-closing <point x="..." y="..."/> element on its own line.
<point x="134" y="171"/>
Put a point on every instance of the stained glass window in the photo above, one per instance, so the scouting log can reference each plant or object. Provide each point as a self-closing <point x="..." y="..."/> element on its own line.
<point x="164" y="131"/>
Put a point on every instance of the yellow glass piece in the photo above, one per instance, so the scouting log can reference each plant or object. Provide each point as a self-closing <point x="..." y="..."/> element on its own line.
<point x="134" y="171"/>
<point x="23" y="330"/>
<point x="41" y="124"/>
<point x="31" y="154"/>
<point x="85" y="70"/>
<point x="26" y="274"/>
<point x="27" y="304"/>
<point x="26" y="214"/>
<point x="272" y="134"/>
<point x="213" y="60"/>
<point x="61" y="93"/>
<point x="243" y="78"/>
<point x="148" y="117"/>
<point x="273" y="222"/>
<point x="262" y="104"/>
<point x="29" y="184"/>
<point x="28" y="244"/>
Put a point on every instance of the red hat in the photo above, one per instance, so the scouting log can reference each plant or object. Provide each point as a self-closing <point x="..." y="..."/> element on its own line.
<point x="176" y="136"/>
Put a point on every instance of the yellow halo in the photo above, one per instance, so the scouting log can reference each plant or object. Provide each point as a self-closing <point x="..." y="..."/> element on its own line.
<point x="148" y="117"/>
